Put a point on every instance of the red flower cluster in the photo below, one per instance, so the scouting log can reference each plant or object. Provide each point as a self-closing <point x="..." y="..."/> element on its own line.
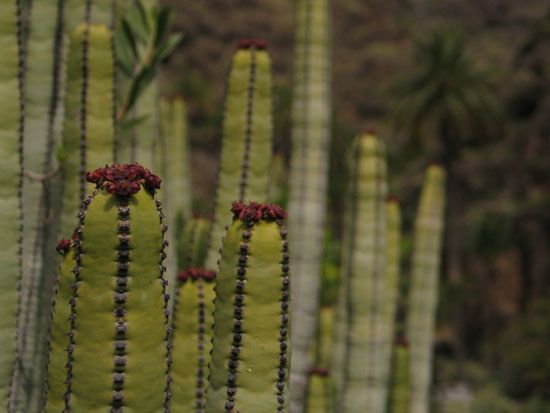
<point x="63" y="246"/>
<point x="259" y="44"/>
<point x="255" y="212"/>
<point x="124" y="179"/>
<point x="318" y="371"/>
<point x="195" y="274"/>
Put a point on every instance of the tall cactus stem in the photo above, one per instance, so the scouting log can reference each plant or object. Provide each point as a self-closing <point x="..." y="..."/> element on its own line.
<point x="247" y="138"/>
<point x="251" y="353"/>
<point x="423" y="292"/>
<point x="400" y="378"/>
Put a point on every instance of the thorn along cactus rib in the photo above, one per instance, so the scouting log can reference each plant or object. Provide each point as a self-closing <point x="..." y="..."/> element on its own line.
<point x="11" y="185"/>
<point x="428" y="234"/>
<point x="118" y="353"/>
<point x="251" y="348"/>
<point x="311" y="118"/>
<point x="59" y="327"/>
<point x="191" y="341"/>
<point x="247" y="138"/>
<point x="361" y="322"/>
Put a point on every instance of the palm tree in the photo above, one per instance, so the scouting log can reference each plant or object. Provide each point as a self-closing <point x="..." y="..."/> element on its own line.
<point x="448" y="102"/>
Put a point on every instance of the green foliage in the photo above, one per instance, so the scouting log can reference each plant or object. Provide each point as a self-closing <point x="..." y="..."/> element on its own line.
<point x="142" y="43"/>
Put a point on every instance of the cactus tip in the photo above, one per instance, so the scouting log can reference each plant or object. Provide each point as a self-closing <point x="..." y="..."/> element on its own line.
<point x="254" y="211"/>
<point x="195" y="274"/>
<point x="393" y="199"/>
<point x="259" y="44"/>
<point x="63" y="246"/>
<point x="371" y="131"/>
<point x="319" y="371"/>
<point x="124" y="179"/>
<point x="402" y="341"/>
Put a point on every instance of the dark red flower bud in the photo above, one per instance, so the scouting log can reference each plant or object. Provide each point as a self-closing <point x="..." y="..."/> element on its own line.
<point x="319" y="371"/>
<point x="123" y="188"/>
<point x="94" y="177"/>
<point x="260" y="44"/>
<point x="63" y="246"/>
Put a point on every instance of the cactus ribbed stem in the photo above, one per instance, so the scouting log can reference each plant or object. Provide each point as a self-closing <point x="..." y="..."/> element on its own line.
<point x="424" y="286"/>
<point x="88" y="135"/>
<point x="393" y="256"/>
<point x="12" y="112"/>
<point x="311" y="118"/>
<point x="319" y="394"/>
<point x="364" y="280"/>
<point x="247" y="138"/>
<point x="193" y="245"/>
<point x="400" y="382"/>
<point x="118" y="353"/>
<point x="251" y="350"/>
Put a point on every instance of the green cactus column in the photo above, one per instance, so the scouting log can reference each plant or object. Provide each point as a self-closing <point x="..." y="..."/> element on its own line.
<point x="193" y="243"/>
<point x="424" y="286"/>
<point x="192" y="333"/>
<point x="88" y="135"/>
<point x="393" y="258"/>
<point x="247" y="138"/>
<point x="59" y="327"/>
<point x="364" y="298"/>
<point x="118" y="354"/>
<point x="400" y="382"/>
<point x="311" y="118"/>
<point x="11" y="186"/>
<point x="319" y="394"/>
<point x="251" y="349"/>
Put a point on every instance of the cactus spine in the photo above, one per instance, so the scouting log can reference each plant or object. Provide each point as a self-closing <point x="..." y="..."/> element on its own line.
<point x="88" y="135"/>
<point x="399" y="384"/>
<point x="11" y="187"/>
<point x="393" y="256"/>
<point x="59" y="326"/>
<point x="311" y="115"/>
<point x="251" y="351"/>
<point x="118" y="355"/>
<point x="364" y="279"/>
<point x="192" y="320"/>
<point x="247" y="136"/>
<point x="424" y="286"/>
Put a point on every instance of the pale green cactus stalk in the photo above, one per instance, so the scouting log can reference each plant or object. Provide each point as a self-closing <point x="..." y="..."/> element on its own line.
<point x="251" y="349"/>
<point x="393" y="257"/>
<point x="400" y="379"/>
<point x="60" y="325"/>
<point x="319" y="394"/>
<point x="424" y="286"/>
<point x="118" y="352"/>
<point x="88" y="135"/>
<point x="172" y="160"/>
<point x="247" y="138"/>
<point x="192" y="320"/>
<point x="11" y="187"/>
<point x="311" y="118"/>
<point x="364" y="298"/>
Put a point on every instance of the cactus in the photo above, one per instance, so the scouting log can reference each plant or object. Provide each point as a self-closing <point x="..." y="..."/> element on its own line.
<point x="311" y="113"/>
<point x="193" y="245"/>
<point x="11" y="187"/>
<point x="251" y="350"/>
<point x="319" y="394"/>
<point x="423" y="292"/>
<point x="88" y="129"/>
<point x="393" y="256"/>
<point x="118" y="353"/>
<point x="399" y="383"/>
<point x="247" y="136"/>
<point x="191" y="344"/>
<point x="364" y="261"/>
<point x="173" y="162"/>
<point x="59" y="326"/>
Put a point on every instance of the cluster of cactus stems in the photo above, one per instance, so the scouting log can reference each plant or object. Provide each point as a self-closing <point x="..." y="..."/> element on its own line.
<point x="118" y="353"/>
<point x="247" y="138"/>
<point x="311" y="118"/>
<point x="250" y="361"/>
<point x="423" y="294"/>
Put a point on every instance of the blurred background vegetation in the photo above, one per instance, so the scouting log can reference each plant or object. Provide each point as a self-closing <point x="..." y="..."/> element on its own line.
<point x="463" y="83"/>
